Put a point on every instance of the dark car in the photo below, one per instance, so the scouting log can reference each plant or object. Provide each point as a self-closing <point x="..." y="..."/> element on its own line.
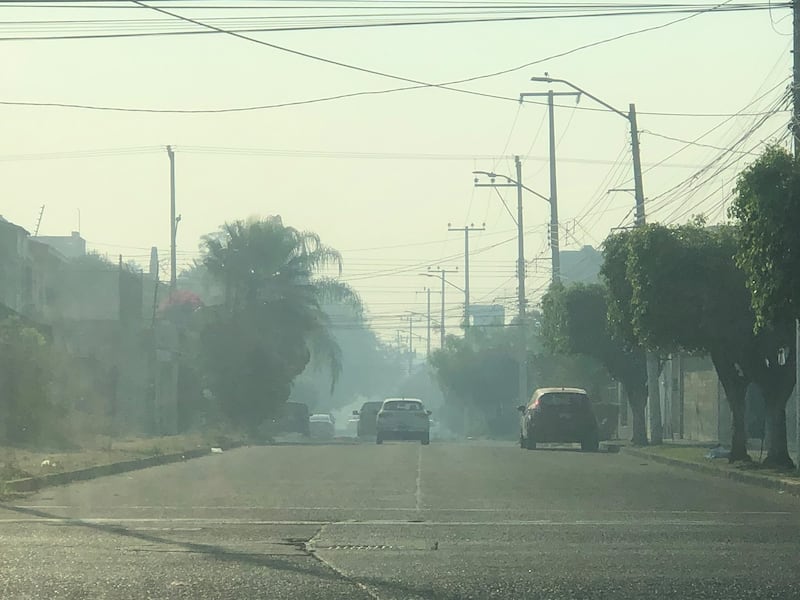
<point x="294" y="419"/>
<point x="561" y="415"/>
<point x="367" y="418"/>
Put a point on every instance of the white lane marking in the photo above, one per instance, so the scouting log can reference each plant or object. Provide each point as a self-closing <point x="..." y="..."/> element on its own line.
<point x="418" y="494"/>
<point x="375" y="522"/>
<point x="398" y="509"/>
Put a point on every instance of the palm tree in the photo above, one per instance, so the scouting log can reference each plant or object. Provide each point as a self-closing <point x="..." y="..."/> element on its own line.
<point x="274" y="294"/>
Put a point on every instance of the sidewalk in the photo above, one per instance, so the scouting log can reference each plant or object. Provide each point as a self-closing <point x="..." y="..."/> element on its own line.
<point x="692" y="455"/>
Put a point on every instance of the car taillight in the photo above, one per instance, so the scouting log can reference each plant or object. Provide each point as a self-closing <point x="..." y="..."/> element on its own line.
<point x="536" y="404"/>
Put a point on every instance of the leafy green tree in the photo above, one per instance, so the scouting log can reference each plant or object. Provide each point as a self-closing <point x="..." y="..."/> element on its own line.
<point x="767" y="208"/>
<point x="575" y="321"/>
<point x="689" y="295"/>
<point x="273" y="320"/>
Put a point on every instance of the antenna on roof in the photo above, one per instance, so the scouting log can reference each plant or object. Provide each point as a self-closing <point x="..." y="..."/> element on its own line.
<point x="39" y="221"/>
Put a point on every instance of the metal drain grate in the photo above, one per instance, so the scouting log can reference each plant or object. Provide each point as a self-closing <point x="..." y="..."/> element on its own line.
<point x="358" y="547"/>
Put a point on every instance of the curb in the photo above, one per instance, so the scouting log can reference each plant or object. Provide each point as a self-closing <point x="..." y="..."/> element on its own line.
<point x="32" y="484"/>
<point x="781" y="485"/>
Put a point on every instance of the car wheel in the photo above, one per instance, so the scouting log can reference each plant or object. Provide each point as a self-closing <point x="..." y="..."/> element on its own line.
<point x="426" y="439"/>
<point x="591" y="443"/>
<point x="530" y="442"/>
<point x="378" y="439"/>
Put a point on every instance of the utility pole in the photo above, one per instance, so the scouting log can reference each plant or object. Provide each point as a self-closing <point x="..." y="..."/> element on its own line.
<point x="442" y="274"/>
<point x="638" y="186"/>
<point x="509" y="182"/>
<point x="522" y="369"/>
<point x="653" y="390"/>
<point x="428" y="347"/>
<point x="410" y="343"/>
<point x="173" y="223"/>
<point x="555" y="246"/>
<point x="466" y="229"/>
<point x="796" y="136"/>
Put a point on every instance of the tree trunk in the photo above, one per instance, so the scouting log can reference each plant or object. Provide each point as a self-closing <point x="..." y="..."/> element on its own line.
<point x="738" y="429"/>
<point x="654" y="393"/>
<point x="637" y="399"/>
<point x="735" y="384"/>
<point x="777" y="451"/>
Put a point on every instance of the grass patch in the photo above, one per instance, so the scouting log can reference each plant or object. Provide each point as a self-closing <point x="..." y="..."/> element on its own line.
<point x="18" y="463"/>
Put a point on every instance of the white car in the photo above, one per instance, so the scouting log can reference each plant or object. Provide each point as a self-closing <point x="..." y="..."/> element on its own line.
<point x="403" y="419"/>
<point x="322" y="426"/>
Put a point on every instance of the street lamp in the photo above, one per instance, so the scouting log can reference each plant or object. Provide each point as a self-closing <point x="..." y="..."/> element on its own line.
<point x="442" y="273"/>
<point x="630" y="116"/>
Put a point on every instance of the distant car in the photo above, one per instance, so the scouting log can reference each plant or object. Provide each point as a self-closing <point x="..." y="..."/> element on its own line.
<point x="367" y="418"/>
<point x="322" y="426"/>
<point x="559" y="415"/>
<point x="403" y="419"/>
<point x="294" y="419"/>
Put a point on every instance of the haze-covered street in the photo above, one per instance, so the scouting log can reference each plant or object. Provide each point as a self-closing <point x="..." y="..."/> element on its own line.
<point x="452" y="520"/>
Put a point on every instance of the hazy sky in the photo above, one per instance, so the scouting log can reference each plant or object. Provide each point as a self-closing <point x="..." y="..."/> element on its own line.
<point x="379" y="176"/>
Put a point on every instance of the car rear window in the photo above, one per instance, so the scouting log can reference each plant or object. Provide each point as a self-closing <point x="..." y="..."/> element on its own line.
<point x="402" y="405"/>
<point x="563" y="399"/>
<point x="371" y="407"/>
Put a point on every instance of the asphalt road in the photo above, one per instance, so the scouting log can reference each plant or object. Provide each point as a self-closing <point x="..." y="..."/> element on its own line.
<point x="401" y="521"/>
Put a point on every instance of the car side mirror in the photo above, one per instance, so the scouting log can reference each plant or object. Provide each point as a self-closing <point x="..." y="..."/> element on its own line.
<point x="521" y="408"/>
<point x="355" y="412"/>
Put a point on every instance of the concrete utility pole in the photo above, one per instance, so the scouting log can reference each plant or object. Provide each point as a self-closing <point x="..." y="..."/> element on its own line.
<point x="428" y="347"/>
<point x="517" y="183"/>
<point x="654" y="395"/>
<point x="466" y="229"/>
<point x="555" y="246"/>
<point x="173" y="223"/>
<point x="442" y="274"/>
<point x="796" y="136"/>
<point x="522" y="371"/>
<point x="410" y="343"/>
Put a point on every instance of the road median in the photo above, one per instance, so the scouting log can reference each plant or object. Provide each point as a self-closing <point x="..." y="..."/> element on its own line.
<point x="693" y="458"/>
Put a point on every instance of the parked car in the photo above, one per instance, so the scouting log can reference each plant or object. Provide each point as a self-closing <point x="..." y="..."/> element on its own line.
<point x="322" y="426"/>
<point x="367" y="418"/>
<point x="559" y="415"/>
<point x="403" y="419"/>
<point x="294" y="419"/>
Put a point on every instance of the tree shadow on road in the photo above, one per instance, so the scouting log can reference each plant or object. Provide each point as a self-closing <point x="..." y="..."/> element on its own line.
<point x="317" y="569"/>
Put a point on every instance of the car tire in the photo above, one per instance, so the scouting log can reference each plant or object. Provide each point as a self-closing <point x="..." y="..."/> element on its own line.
<point x="591" y="443"/>
<point x="530" y="442"/>
<point x="378" y="439"/>
<point x="426" y="439"/>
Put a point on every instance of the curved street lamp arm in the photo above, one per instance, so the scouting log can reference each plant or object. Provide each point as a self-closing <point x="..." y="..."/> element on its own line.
<point x="582" y="91"/>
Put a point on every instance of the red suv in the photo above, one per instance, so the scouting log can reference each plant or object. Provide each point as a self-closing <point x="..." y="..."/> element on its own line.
<point x="559" y="415"/>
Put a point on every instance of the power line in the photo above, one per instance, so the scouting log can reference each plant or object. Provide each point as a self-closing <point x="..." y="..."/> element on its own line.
<point x="418" y="85"/>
